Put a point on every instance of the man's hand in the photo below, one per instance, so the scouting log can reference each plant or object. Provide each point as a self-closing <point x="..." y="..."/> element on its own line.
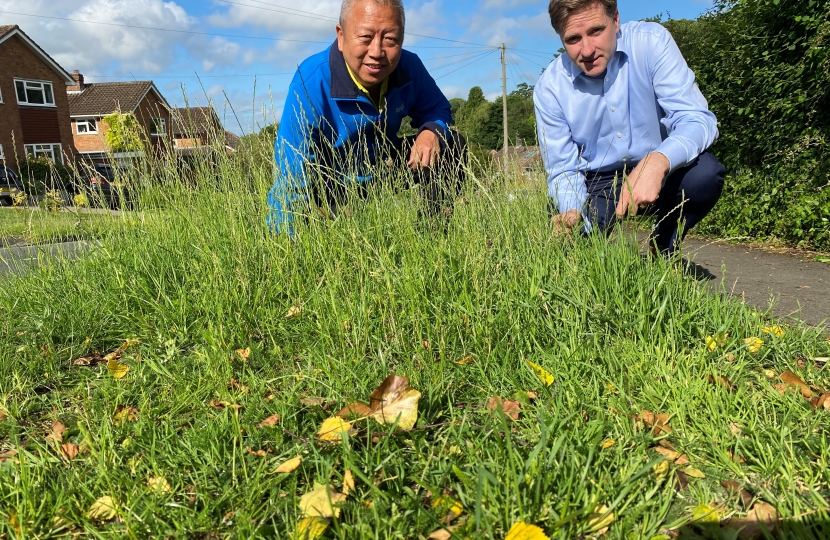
<point x="425" y="151"/>
<point x="566" y="221"/>
<point x="643" y="185"/>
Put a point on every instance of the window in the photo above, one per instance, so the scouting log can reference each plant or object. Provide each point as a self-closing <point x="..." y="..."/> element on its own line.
<point x="1" y="96"/>
<point x="34" y="93"/>
<point x="158" y="127"/>
<point x="51" y="151"/>
<point x="1" y="152"/>
<point x="86" y="126"/>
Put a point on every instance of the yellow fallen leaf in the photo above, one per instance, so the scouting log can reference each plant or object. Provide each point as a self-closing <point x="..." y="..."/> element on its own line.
<point x="600" y="518"/>
<point x="543" y="375"/>
<point x="293" y="312"/>
<point x="395" y="401"/>
<point x="333" y="429"/>
<point x="694" y="473"/>
<point x="753" y="344"/>
<point x="660" y="470"/>
<point x="716" y="341"/>
<point x="117" y="369"/>
<point x="159" y="484"/>
<point x="453" y="507"/>
<point x="608" y="443"/>
<point x="244" y="354"/>
<point x="769" y="374"/>
<point x="776" y="331"/>
<point x="320" y="502"/>
<point x="466" y="360"/>
<point x="289" y="466"/>
<point x="311" y="528"/>
<point x="102" y="509"/>
<point x="704" y="513"/>
<point x="348" y="482"/>
<point x="124" y="414"/>
<point x="522" y="531"/>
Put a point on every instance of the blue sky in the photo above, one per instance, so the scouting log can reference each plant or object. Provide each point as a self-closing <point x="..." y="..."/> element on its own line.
<point x="129" y="47"/>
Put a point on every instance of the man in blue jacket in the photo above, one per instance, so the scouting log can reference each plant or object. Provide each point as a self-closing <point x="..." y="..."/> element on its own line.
<point x="342" y="114"/>
<point x="623" y="126"/>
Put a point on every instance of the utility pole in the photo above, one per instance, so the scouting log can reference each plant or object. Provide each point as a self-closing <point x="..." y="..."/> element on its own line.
<point x="504" y="100"/>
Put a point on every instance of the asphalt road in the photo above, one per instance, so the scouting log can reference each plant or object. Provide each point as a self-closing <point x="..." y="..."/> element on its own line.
<point x="18" y="259"/>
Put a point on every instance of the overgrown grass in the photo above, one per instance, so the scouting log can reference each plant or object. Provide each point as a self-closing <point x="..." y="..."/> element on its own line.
<point x="35" y="225"/>
<point x="380" y="292"/>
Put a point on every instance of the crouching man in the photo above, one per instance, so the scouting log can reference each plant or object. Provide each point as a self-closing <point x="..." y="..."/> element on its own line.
<point x="342" y="114"/>
<point x="623" y="127"/>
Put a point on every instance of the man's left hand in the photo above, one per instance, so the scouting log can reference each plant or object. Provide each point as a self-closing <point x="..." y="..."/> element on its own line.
<point x="643" y="184"/>
<point x="425" y="151"/>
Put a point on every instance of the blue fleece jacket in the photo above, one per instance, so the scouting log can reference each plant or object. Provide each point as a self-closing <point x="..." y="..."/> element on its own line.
<point x="329" y="123"/>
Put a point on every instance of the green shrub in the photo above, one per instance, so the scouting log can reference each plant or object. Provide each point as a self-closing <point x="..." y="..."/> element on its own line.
<point x="40" y="174"/>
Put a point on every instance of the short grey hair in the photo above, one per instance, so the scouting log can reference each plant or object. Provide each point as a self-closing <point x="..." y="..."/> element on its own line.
<point x="347" y="6"/>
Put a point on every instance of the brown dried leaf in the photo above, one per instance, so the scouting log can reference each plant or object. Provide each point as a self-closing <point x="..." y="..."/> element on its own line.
<point x="221" y="405"/>
<point x="735" y="490"/>
<point x="69" y="451"/>
<point x="736" y="459"/>
<point x="682" y="481"/>
<point x="791" y="378"/>
<point x="735" y="429"/>
<point x="5" y="456"/>
<point x="723" y="382"/>
<point x="354" y="410"/>
<point x="660" y="422"/>
<point x="444" y="533"/>
<point x="56" y="435"/>
<point x="293" y="311"/>
<point x="425" y="344"/>
<point x="511" y="409"/>
<point x="271" y="421"/>
<point x="91" y="360"/>
<point x="234" y="384"/>
<point x="258" y="453"/>
<point x="821" y="402"/>
<point x="244" y="354"/>
<point x="762" y="517"/>
<point x="395" y="401"/>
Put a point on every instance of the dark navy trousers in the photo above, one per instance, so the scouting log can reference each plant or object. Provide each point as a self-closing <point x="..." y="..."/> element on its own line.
<point x="688" y="194"/>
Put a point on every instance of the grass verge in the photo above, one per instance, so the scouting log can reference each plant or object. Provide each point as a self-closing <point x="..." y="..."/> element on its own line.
<point x="230" y="326"/>
<point x="36" y="226"/>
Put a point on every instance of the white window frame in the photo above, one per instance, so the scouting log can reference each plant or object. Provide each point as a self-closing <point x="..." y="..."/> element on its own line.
<point x="158" y="121"/>
<point x="2" y="156"/>
<point x="35" y="83"/>
<point x="1" y="95"/>
<point x="45" y="150"/>
<point x="85" y="122"/>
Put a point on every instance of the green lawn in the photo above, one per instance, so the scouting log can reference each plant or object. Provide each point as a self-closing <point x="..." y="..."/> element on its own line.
<point x="34" y="225"/>
<point x="176" y="443"/>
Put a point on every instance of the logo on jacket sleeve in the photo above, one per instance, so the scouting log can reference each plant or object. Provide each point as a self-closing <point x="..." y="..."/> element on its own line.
<point x="401" y="108"/>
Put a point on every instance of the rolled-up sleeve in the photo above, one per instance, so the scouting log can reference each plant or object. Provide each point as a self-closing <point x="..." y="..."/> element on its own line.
<point x="564" y="165"/>
<point x="691" y="127"/>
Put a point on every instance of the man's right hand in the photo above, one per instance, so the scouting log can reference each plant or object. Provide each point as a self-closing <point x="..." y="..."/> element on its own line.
<point x="566" y="221"/>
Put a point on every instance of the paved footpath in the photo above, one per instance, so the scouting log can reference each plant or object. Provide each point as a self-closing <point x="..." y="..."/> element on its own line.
<point x="798" y="284"/>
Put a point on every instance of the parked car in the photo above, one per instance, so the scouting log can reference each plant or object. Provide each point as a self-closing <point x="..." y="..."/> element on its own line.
<point x="10" y="186"/>
<point x="107" y="185"/>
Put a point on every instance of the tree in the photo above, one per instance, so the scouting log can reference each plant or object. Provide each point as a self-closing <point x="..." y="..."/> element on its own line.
<point x="124" y="133"/>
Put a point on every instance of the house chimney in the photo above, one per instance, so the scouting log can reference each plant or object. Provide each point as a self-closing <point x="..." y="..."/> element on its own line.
<point x="79" y="80"/>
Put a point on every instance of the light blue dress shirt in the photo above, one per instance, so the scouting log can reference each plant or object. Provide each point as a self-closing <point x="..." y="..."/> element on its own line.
<point x="647" y="101"/>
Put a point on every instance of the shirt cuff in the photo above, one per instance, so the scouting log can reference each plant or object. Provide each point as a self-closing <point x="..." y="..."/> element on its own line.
<point x="675" y="152"/>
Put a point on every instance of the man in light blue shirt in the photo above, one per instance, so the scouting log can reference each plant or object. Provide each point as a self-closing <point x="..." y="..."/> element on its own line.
<point x="622" y="126"/>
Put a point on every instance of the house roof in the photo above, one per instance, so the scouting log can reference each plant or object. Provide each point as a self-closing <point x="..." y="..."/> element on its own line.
<point x="101" y="99"/>
<point x="232" y="140"/>
<point x="10" y="30"/>
<point x="194" y="120"/>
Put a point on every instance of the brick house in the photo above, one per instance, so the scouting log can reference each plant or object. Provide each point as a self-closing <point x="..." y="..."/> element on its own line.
<point x="34" y="109"/>
<point x="90" y="103"/>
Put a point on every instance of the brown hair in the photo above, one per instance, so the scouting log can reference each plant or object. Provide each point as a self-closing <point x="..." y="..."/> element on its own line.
<point x="561" y="10"/>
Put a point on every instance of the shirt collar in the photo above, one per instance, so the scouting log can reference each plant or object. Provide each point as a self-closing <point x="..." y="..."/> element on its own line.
<point x="384" y="87"/>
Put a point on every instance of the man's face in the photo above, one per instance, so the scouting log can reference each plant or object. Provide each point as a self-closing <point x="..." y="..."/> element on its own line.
<point x="370" y="40"/>
<point x="590" y="39"/>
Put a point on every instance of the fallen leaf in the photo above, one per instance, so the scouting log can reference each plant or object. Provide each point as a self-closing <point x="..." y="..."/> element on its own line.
<point x="5" y="456"/>
<point x="271" y="421"/>
<point x="753" y="344"/>
<point x="117" y="369"/>
<point x="762" y="518"/>
<point x="311" y="528"/>
<point x="511" y="409"/>
<point x="716" y="341"/>
<point x="159" y="484"/>
<point x="821" y="402"/>
<point x="600" y="519"/>
<point x="660" y="470"/>
<point x="69" y="451"/>
<point x="313" y="401"/>
<point x="682" y="481"/>
<point x="453" y="507"/>
<point x="333" y="429"/>
<point x="660" y="422"/>
<point x="736" y="459"/>
<point x="440" y="534"/>
<point x="243" y="354"/>
<point x="769" y="374"/>
<point x="102" y="509"/>
<point x="3" y="417"/>
<point x="821" y="359"/>
<point x="735" y="429"/>
<point x="258" y="453"/>
<point x="694" y="473"/>
<point x="348" y="482"/>
<point x="289" y="466"/>
<point x="791" y="378"/>
<point x="234" y="384"/>
<point x="735" y="490"/>
<point x="354" y="410"/>
<point x="723" y="382"/>
<point x="607" y="443"/>
<point x="425" y="344"/>
<point x="776" y="331"/>
<point x="705" y="513"/>
<point x="320" y="502"/>
<point x="293" y="311"/>
<point x="522" y="531"/>
<point x="221" y="405"/>
<point x="466" y="360"/>
<point x="395" y="401"/>
<point x="541" y="373"/>
<point x="676" y="457"/>
<point x="91" y="360"/>
<point x="124" y="414"/>
<point x="56" y="435"/>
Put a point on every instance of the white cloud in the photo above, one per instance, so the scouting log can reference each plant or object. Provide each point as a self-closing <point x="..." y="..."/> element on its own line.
<point x="507" y="4"/>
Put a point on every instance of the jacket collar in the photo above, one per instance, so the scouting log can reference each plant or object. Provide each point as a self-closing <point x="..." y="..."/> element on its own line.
<point x="342" y="85"/>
